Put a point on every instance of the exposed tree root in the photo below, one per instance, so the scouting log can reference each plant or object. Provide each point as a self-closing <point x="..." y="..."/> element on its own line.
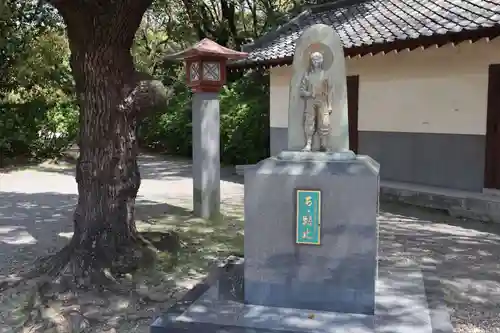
<point x="74" y="270"/>
<point x="89" y="270"/>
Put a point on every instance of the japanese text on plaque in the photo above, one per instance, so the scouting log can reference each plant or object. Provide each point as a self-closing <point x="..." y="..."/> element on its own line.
<point x="308" y="207"/>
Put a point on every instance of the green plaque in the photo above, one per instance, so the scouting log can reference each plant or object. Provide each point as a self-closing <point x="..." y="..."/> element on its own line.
<point x="308" y="207"/>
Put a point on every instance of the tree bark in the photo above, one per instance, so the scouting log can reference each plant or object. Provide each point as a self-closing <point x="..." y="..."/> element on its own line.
<point x="112" y="96"/>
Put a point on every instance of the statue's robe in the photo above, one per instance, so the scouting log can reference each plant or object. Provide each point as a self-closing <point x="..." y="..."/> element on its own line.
<point x="315" y="90"/>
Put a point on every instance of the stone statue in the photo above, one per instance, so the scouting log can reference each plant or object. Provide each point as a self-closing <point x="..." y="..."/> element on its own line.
<point x="317" y="108"/>
<point x="315" y="89"/>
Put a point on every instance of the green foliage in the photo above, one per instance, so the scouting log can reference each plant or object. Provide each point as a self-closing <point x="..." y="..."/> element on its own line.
<point x="170" y="132"/>
<point x="36" y="129"/>
<point x="38" y="115"/>
<point x="38" y="112"/>
<point x="244" y="122"/>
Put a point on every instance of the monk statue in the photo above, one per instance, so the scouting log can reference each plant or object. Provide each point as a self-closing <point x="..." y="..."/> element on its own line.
<point x="315" y="89"/>
<point x="317" y="100"/>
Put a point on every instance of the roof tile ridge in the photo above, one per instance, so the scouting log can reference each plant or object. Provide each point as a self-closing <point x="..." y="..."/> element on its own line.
<point x="362" y="25"/>
<point x="349" y="37"/>
<point x="406" y="2"/>
<point x="383" y="4"/>
<point x="455" y="6"/>
<point x="462" y="26"/>
<point x="473" y="5"/>
<point x="397" y="4"/>
<point x="383" y="30"/>
<point x="319" y="8"/>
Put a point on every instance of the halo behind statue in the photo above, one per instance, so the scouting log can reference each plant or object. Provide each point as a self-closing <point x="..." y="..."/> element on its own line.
<point x="322" y="38"/>
<point x="321" y="48"/>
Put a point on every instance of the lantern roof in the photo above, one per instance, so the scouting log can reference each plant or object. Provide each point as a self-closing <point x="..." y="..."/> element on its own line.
<point x="207" y="48"/>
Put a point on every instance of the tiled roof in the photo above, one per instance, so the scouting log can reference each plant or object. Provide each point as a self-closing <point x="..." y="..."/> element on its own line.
<point x="380" y="22"/>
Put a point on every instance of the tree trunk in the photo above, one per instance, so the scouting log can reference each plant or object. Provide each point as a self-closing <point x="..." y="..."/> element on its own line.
<point x="111" y="96"/>
<point x="107" y="172"/>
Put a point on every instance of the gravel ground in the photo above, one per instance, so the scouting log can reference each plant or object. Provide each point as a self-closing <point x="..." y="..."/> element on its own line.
<point x="460" y="258"/>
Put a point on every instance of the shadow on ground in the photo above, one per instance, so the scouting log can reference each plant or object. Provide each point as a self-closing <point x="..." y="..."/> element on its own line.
<point x="460" y="260"/>
<point x="32" y="224"/>
<point x="151" y="167"/>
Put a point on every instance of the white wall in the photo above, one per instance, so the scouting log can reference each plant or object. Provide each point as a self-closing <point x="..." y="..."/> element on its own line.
<point x="278" y="104"/>
<point x="435" y="90"/>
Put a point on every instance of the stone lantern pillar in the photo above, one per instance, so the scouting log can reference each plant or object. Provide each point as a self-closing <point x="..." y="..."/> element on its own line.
<point x="206" y="74"/>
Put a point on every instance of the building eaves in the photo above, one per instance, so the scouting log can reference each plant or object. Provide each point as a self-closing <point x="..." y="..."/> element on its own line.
<point x="371" y="26"/>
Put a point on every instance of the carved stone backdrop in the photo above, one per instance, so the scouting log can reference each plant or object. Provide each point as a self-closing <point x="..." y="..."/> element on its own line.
<point x="324" y="39"/>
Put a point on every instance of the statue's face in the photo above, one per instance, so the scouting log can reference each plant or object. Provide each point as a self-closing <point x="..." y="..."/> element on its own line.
<point x="316" y="60"/>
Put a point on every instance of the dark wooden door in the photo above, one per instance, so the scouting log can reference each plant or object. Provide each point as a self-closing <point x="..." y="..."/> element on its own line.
<point x="352" y="110"/>
<point x="492" y="163"/>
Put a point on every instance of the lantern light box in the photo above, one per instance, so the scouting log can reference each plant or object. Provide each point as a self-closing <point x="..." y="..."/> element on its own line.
<point x="206" y="64"/>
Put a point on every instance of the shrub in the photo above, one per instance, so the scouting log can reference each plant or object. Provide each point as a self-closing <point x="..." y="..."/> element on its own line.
<point x="169" y="132"/>
<point x="244" y="122"/>
<point x="36" y="129"/>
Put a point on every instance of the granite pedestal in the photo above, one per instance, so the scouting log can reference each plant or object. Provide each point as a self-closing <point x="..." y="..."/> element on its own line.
<point x="339" y="274"/>
<point x="285" y="287"/>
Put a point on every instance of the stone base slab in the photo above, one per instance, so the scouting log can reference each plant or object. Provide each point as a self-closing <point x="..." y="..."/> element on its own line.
<point x="401" y="307"/>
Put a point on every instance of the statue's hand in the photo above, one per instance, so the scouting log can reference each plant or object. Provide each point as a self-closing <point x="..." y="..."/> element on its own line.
<point x="330" y="110"/>
<point x="306" y="94"/>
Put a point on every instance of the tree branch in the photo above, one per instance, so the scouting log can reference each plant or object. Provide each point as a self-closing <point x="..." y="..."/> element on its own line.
<point x="213" y="13"/>
<point x="200" y="21"/>
<point x="148" y="95"/>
